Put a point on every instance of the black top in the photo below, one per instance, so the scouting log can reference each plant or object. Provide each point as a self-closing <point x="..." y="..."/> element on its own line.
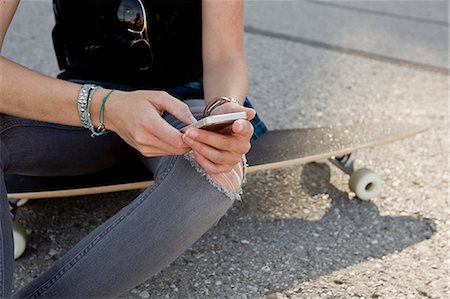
<point x="91" y="43"/>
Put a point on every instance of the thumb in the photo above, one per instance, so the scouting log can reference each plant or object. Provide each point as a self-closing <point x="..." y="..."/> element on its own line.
<point x="177" y="108"/>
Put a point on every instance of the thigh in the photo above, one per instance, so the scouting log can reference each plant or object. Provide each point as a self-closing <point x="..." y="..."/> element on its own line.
<point x="30" y="147"/>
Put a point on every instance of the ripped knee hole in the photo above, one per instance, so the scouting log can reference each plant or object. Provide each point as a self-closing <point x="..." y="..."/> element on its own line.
<point x="232" y="180"/>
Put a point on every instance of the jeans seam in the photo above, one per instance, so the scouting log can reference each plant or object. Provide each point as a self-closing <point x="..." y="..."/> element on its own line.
<point x="46" y="286"/>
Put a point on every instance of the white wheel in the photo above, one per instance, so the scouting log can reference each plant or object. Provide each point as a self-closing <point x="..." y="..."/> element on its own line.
<point x="20" y="239"/>
<point x="22" y="202"/>
<point x="365" y="183"/>
<point x="18" y="202"/>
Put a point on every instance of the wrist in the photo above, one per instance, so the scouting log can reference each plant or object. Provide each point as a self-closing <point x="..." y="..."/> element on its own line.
<point x="217" y="102"/>
<point x="109" y="110"/>
<point x="96" y="103"/>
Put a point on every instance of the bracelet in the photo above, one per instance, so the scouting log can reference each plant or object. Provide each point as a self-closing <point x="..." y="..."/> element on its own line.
<point x="88" y="123"/>
<point x="84" y="106"/>
<point x="83" y="97"/>
<point x="101" y="128"/>
<point x="216" y="102"/>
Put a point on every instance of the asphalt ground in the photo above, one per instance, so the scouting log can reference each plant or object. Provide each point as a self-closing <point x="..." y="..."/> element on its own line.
<point x="298" y="232"/>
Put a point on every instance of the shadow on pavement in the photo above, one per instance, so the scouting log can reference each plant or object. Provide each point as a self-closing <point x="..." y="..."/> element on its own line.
<point x="287" y="230"/>
<point x="280" y="252"/>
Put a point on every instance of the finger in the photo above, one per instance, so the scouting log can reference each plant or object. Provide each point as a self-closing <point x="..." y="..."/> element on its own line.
<point x="243" y="128"/>
<point x="251" y="113"/>
<point x="209" y="166"/>
<point x="152" y="143"/>
<point x="238" y="127"/>
<point x="175" y="107"/>
<point x="212" y="154"/>
<point x="169" y="136"/>
<point x="231" y="143"/>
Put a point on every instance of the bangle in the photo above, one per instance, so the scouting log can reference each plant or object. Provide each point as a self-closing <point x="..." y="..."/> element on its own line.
<point x="216" y="102"/>
<point x="83" y="97"/>
<point x="85" y="116"/>
<point x="88" y="122"/>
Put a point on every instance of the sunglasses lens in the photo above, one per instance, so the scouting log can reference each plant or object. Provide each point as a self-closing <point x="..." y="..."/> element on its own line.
<point x="131" y="14"/>
<point x="141" y="54"/>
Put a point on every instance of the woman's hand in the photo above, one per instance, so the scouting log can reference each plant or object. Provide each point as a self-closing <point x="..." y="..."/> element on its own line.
<point x="136" y="117"/>
<point x="220" y="152"/>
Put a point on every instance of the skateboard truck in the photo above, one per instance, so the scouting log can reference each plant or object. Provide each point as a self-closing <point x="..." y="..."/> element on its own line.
<point x="345" y="162"/>
<point x="365" y="183"/>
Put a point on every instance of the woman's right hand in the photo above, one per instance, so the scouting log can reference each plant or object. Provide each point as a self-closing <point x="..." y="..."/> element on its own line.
<point x="136" y="117"/>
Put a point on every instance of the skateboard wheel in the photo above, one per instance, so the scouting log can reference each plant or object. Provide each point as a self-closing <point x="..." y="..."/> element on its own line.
<point x="21" y="202"/>
<point x="20" y="239"/>
<point x="365" y="183"/>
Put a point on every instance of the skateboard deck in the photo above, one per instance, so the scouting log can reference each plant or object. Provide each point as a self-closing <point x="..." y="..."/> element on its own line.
<point x="275" y="149"/>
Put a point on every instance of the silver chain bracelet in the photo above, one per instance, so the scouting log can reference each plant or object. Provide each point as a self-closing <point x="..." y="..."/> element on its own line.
<point x="84" y="107"/>
<point x="83" y="100"/>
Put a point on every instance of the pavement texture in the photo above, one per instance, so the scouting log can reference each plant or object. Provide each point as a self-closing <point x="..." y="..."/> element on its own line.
<point x="298" y="232"/>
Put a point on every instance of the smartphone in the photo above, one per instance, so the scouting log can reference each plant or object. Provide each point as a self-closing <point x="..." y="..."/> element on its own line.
<point x="216" y="122"/>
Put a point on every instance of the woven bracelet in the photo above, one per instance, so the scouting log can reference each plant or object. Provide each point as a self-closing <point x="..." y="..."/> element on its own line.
<point x="101" y="130"/>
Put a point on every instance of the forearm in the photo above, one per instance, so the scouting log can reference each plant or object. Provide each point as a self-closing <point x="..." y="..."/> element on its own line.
<point x="29" y="94"/>
<point x="226" y="78"/>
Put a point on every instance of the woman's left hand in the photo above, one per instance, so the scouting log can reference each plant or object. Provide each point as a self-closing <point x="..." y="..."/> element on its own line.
<point x="219" y="152"/>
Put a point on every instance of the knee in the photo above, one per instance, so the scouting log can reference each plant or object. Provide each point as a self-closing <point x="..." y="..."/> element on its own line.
<point x="232" y="180"/>
<point x="229" y="182"/>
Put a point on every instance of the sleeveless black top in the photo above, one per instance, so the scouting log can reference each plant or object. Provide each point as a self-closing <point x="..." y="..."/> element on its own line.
<point x="91" y="44"/>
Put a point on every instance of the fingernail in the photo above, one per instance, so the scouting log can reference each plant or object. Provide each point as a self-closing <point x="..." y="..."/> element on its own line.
<point x="187" y="140"/>
<point x="193" y="119"/>
<point x="192" y="133"/>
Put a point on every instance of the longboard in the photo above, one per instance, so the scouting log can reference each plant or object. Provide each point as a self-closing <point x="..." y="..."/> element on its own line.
<point x="275" y="149"/>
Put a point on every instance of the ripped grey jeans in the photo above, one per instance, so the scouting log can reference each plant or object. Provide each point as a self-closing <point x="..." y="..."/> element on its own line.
<point x="137" y="242"/>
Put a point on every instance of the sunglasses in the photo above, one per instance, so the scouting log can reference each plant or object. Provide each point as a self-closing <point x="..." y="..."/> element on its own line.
<point x="133" y="16"/>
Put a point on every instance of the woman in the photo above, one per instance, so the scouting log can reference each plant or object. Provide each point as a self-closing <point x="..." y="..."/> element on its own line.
<point x="152" y="59"/>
